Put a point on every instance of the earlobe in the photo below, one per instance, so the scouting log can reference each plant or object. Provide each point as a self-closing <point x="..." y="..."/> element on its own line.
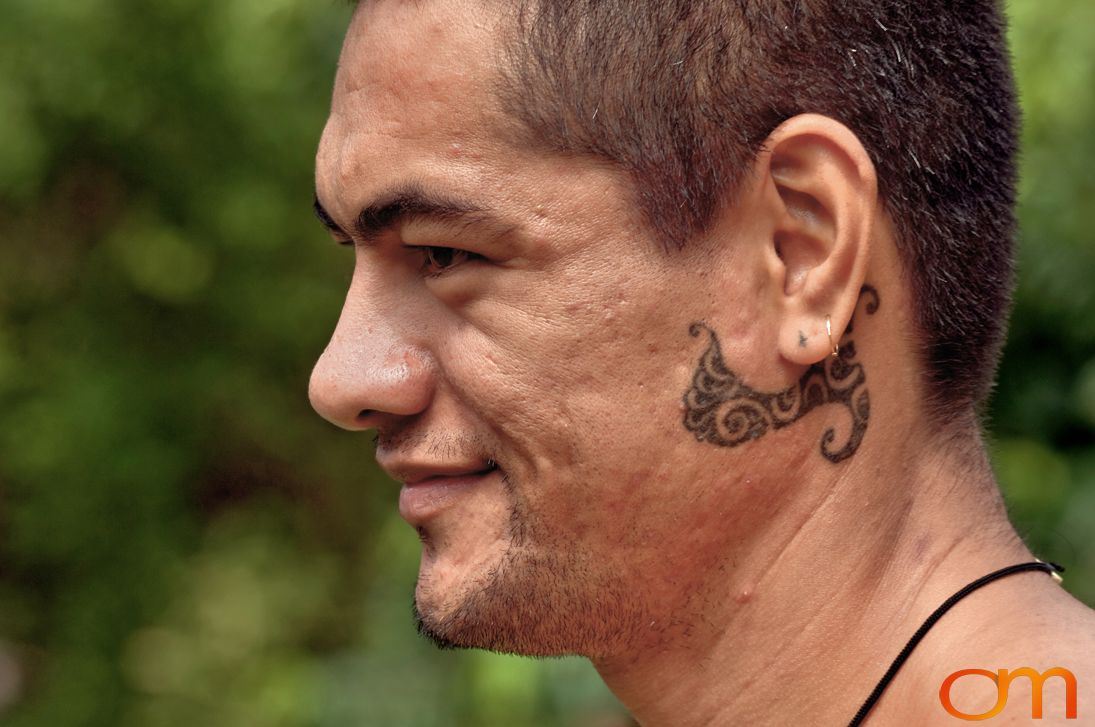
<point x="823" y="194"/>
<point x="807" y="340"/>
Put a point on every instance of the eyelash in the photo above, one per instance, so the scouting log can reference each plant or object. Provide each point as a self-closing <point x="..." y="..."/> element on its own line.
<point x="438" y="260"/>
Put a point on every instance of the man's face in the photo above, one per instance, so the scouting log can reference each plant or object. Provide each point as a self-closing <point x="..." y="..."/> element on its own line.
<point x="525" y="373"/>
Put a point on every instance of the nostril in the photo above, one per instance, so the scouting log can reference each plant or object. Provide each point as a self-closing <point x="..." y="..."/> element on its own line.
<point x="365" y="414"/>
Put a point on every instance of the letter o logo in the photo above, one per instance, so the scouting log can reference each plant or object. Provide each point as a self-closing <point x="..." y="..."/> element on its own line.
<point x="1001" y="695"/>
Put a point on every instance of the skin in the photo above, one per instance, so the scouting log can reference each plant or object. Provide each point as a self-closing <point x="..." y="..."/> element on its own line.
<point x="540" y="385"/>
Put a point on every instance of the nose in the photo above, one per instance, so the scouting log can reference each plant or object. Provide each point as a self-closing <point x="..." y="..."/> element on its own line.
<point x="368" y="375"/>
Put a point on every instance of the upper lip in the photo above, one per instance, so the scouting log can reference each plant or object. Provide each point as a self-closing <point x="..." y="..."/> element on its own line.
<point x="412" y="473"/>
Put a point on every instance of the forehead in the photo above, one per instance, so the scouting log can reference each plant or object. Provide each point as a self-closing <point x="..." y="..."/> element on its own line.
<point x="416" y="49"/>
<point x="414" y="78"/>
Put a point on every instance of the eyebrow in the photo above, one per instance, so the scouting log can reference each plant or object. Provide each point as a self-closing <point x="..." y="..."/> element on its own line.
<point x="401" y="207"/>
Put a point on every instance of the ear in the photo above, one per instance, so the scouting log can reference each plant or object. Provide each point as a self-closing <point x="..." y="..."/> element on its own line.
<point x="822" y="190"/>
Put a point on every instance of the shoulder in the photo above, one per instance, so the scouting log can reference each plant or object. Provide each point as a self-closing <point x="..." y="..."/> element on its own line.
<point x="1006" y="660"/>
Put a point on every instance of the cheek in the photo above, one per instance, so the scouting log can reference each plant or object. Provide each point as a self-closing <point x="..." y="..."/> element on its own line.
<point x="585" y="386"/>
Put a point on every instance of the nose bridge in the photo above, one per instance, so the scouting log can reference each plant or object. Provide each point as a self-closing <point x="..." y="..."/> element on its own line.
<point x="373" y="366"/>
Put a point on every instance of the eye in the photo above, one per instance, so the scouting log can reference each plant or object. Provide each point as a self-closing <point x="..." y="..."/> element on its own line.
<point x="439" y="260"/>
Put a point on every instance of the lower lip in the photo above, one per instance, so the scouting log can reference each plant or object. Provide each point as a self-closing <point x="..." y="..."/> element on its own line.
<point x="421" y="501"/>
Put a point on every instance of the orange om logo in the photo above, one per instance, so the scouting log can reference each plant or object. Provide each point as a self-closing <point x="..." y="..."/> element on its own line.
<point x="1003" y="679"/>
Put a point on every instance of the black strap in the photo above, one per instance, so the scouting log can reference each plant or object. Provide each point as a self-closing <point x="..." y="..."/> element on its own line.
<point x="884" y="682"/>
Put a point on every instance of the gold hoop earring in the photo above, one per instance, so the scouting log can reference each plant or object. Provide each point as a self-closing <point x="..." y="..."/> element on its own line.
<point x="829" y="330"/>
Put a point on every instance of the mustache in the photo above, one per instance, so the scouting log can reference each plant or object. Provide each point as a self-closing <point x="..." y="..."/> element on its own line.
<point x="436" y="445"/>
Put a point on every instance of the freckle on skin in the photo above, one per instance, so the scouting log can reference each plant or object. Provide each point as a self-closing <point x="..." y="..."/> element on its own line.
<point x="921" y="548"/>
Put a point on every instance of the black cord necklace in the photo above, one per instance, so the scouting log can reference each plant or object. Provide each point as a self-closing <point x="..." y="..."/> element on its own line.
<point x="1051" y="568"/>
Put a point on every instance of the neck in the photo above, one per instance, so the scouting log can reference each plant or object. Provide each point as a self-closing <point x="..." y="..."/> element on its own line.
<point x="807" y="619"/>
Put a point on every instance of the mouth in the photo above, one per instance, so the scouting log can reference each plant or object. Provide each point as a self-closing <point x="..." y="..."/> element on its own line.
<point x="423" y="499"/>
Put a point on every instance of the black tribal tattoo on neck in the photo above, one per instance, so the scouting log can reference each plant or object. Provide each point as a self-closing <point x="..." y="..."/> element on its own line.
<point x="721" y="409"/>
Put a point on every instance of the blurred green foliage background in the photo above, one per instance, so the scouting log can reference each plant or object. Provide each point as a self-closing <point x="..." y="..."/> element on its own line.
<point x="182" y="541"/>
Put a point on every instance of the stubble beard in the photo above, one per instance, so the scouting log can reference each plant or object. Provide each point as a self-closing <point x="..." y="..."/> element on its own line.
<point x="544" y="597"/>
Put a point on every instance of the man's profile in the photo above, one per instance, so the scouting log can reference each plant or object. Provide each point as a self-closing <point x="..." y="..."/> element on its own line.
<point x="674" y="319"/>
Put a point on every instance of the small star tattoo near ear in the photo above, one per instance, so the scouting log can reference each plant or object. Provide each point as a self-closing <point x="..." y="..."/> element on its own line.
<point x="802" y="340"/>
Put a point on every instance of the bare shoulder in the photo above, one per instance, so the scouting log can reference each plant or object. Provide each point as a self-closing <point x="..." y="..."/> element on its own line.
<point x="1061" y="629"/>
<point x="1057" y="685"/>
<point x="1041" y="656"/>
<point x="1026" y="653"/>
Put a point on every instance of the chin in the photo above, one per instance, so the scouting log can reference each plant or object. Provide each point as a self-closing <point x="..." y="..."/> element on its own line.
<point x="527" y="605"/>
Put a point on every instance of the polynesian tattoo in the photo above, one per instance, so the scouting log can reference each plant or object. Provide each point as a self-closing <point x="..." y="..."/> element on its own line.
<point x="722" y="409"/>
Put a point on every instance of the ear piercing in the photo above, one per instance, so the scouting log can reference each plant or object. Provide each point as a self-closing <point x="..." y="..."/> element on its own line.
<point x="829" y="330"/>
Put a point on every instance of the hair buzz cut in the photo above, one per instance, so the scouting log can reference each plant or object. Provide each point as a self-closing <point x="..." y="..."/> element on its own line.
<point x="683" y="93"/>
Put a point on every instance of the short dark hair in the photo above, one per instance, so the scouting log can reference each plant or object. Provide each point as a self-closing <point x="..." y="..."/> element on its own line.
<point x="682" y="93"/>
